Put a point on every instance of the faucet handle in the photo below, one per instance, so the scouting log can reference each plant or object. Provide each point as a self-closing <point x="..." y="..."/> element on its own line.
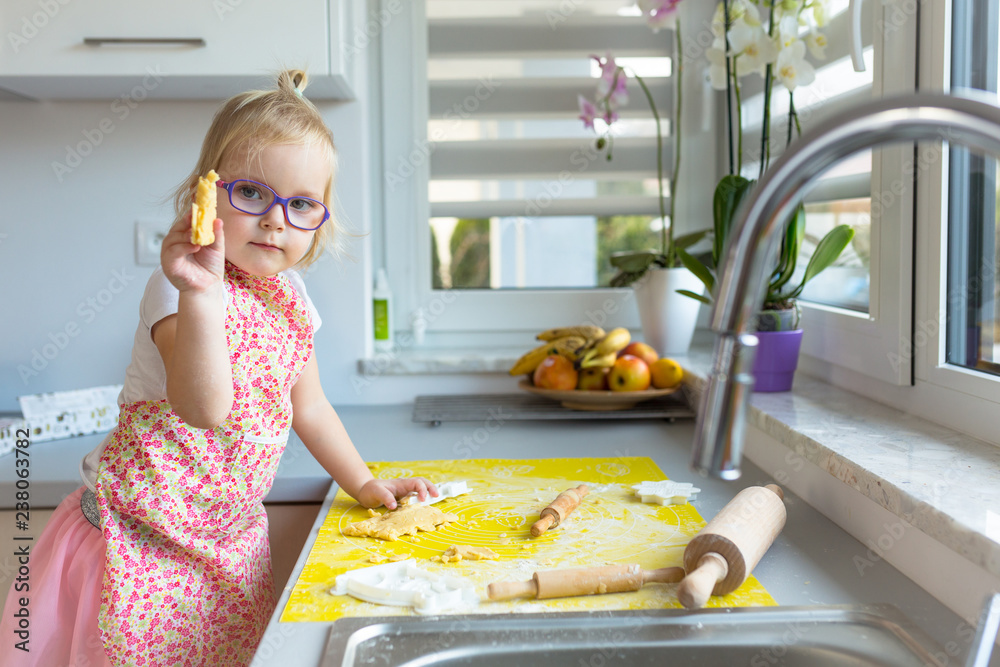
<point x="854" y="31"/>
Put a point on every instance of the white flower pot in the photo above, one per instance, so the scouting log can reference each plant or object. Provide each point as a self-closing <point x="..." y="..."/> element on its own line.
<point x="668" y="318"/>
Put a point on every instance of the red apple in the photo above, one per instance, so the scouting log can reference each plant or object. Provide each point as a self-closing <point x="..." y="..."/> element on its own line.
<point x="593" y="379"/>
<point x="641" y="350"/>
<point x="555" y="372"/>
<point x="630" y="373"/>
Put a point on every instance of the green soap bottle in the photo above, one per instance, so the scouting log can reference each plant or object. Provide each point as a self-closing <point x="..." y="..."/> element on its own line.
<point x="382" y="312"/>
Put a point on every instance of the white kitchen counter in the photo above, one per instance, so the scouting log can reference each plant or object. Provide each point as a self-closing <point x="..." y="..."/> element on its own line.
<point x="813" y="561"/>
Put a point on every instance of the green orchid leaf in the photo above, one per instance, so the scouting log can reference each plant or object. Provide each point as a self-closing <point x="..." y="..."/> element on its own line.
<point x="688" y="240"/>
<point x="826" y="253"/>
<point x="791" y="244"/>
<point x="697" y="297"/>
<point x="729" y="194"/>
<point x="633" y="262"/>
<point x="700" y="271"/>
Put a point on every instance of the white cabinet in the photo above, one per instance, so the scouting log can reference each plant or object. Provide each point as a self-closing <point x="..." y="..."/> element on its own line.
<point x="174" y="49"/>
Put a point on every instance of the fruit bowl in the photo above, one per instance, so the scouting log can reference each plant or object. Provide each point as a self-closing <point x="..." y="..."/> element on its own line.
<point x="584" y="399"/>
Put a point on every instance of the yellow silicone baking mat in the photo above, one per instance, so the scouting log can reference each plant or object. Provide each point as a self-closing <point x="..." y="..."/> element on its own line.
<point x="611" y="525"/>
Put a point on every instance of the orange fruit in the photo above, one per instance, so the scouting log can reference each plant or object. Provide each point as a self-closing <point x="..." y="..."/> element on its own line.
<point x="666" y="373"/>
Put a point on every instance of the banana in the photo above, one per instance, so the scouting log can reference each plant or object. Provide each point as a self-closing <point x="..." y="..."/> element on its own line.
<point x="614" y="340"/>
<point x="606" y="361"/>
<point x="565" y="346"/>
<point x="587" y="331"/>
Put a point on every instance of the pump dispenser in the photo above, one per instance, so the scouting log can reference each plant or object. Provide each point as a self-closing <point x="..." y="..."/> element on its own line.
<point x="382" y="311"/>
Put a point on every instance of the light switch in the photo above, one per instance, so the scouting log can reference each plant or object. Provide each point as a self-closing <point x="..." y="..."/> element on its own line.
<point x="148" y="238"/>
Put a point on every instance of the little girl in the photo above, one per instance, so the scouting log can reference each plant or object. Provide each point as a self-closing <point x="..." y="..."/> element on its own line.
<point x="162" y="558"/>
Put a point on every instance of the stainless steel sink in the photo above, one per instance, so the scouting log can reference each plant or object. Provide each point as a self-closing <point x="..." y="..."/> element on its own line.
<point x="838" y="636"/>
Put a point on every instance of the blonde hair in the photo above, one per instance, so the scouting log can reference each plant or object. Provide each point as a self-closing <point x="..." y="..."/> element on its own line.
<point x="255" y="120"/>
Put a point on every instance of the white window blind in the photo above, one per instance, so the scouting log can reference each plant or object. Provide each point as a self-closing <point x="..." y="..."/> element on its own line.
<point x="517" y="190"/>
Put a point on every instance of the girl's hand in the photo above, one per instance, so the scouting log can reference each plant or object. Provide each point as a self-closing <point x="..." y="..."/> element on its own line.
<point x="385" y="491"/>
<point x="191" y="267"/>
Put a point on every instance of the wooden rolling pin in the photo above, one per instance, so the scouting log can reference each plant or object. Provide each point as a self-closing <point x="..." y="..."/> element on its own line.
<point x="721" y="557"/>
<point x="561" y="507"/>
<point x="583" y="581"/>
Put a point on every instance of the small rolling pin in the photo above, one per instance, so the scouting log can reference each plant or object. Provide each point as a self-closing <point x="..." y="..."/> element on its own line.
<point x="561" y="507"/>
<point x="721" y="557"/>
<point x="583" y="581"/>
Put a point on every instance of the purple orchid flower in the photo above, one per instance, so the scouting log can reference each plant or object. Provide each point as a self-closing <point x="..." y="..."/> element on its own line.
<point x="612" y="83"/>
<point x="587" y="112"/>
<point x="658" y="13"/>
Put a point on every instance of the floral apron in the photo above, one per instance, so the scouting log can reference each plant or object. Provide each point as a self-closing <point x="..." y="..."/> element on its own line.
<point x="188" y="573"/>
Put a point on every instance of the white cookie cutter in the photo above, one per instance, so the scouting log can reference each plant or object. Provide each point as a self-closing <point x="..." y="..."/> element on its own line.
<point x="403" y="584"/>
<point x="666" y="492"/>
<point x="445" y="489"/>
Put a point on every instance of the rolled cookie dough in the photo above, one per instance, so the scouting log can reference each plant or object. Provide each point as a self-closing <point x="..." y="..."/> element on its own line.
<point x="405" y="520"/>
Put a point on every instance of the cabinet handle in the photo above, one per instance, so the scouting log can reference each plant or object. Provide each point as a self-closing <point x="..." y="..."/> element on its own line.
<point x="145" y="41"/>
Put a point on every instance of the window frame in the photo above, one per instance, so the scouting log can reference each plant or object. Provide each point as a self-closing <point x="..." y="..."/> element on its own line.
<point x="955" y="383"/>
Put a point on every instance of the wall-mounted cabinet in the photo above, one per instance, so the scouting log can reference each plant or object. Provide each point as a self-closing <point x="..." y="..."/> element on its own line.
<point x="174" y="49"/>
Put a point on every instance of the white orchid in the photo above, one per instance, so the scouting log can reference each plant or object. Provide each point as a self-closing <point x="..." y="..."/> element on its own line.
<point x="818" y="8"/>
<point x="792" y="68"/>
<point x="771" y="39"/>
<point x="788" y="30"/>
<point x="816" y="42"/>
<point x="753" y="46"/>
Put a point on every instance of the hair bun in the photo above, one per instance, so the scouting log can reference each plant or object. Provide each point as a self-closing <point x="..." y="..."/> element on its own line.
<point x="293" y="80"/>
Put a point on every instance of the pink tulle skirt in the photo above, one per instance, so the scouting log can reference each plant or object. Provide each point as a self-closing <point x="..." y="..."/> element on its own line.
<point x="66" y="570"/>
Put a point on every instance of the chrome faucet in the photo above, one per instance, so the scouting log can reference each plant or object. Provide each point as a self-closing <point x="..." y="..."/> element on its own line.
<point x="750" y="253"/>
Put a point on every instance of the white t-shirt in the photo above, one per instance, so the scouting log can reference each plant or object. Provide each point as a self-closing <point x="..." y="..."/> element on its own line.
<point x="146" y="377"/>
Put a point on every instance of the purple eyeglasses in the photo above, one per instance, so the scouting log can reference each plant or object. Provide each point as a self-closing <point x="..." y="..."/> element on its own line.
<point x="257" y="199"/>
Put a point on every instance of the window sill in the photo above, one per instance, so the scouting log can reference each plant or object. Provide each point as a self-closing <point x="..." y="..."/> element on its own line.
<point x="440" y="361"/>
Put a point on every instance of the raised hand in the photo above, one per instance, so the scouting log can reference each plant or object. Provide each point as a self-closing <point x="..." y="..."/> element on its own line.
<point x="191" y="267"/>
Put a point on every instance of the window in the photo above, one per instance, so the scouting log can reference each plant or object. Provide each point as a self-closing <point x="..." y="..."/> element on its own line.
<point x="496" y="193"/>
<point x="973" y="336"/>
<point x="954" y="333"/>
<point x="947" y="218"/>
<point x="517" y="189"/>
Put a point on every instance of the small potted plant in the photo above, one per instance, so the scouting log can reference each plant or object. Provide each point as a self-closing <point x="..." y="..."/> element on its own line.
<point x="774" y="45"/>
<point x="778" y="321"/>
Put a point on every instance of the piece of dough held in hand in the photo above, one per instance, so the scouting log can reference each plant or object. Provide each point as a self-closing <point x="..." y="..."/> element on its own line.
<point x="405" y="520"/>
<point x="203" y="210"/>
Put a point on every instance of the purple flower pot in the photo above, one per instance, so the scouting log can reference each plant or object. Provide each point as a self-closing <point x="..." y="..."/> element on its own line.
<point x="776" y="360"/>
